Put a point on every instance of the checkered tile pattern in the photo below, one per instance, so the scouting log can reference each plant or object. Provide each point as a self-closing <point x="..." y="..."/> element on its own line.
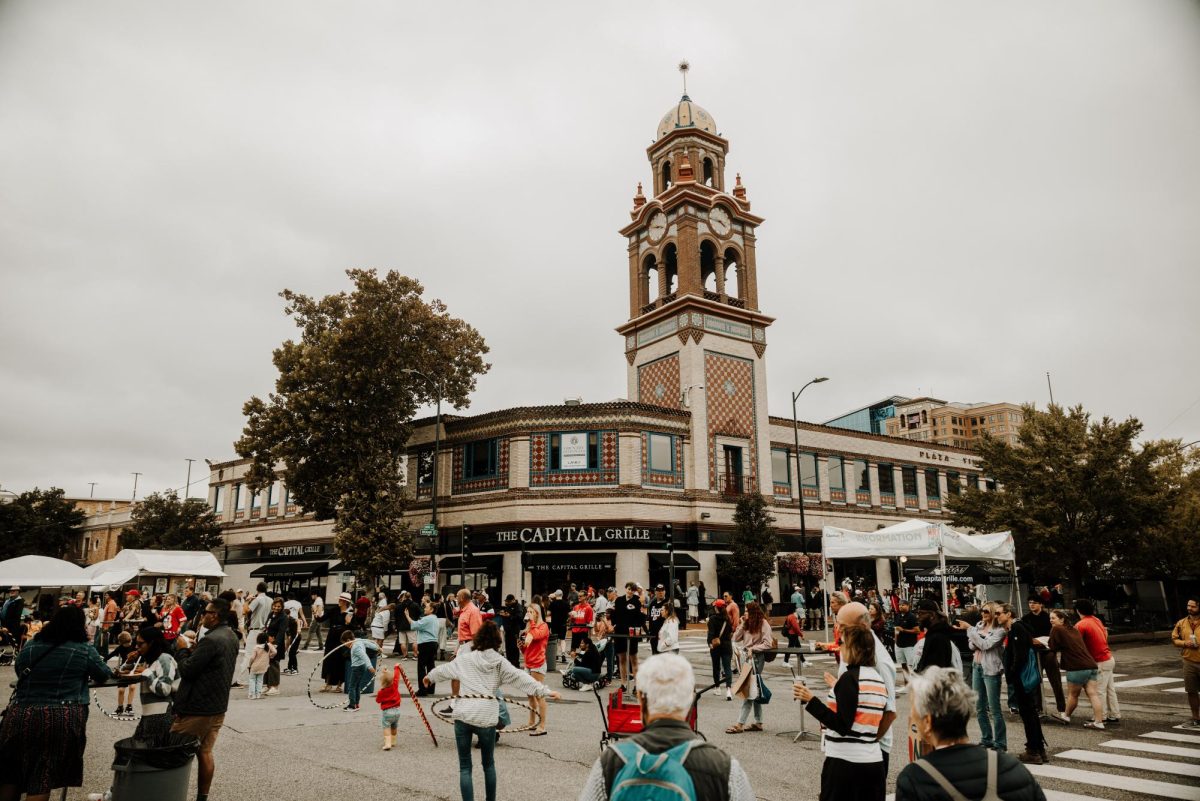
<point x="729" y="393"/>
<point x="658" y="382"/>
<point x="672" y="480"/>
<point x="541" y="474"/>
<point x="496" y="482"/>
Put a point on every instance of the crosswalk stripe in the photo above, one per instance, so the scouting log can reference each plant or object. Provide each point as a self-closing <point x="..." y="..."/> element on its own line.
<point x="1059" y="795"/>
<point x="1170" y="735"/>
<point x="1117" y="782"/>
<point x="1137" y="763"/>
<point x="1150" y="682"/>
<point x="1175" y="690"/>
<point x="1153" y="748"/>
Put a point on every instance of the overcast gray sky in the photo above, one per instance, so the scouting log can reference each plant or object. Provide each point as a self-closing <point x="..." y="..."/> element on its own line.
<point x="959" y="197"/>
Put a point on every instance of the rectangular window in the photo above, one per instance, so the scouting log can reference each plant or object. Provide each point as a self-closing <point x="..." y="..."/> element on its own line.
<point x="909" y="476"/>
<point x="575" y="450"/>
<point x="661" y="458"/>
<point x="480" y="459"/>
<point x="283" y="497"/>
<point x="887" y="478"/>
<point x="808" y="469"/>
<point x="255" y="500"/>
<point x="218" y="500"/>
<point x="931" y="484"/>
<point x="425" y="468"/>
<point x="781" y="467"/>
<point x="953" y="485"/>
<point x="864" y="475"/>
<point x="239" y="499"/>
<point x="837" y="476"/>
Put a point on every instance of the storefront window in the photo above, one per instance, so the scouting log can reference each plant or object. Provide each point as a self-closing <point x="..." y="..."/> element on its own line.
<point x="662" y="453"/>
<point x="576" y="450"/>
<point x="218" y="500"/>
<point x="864" y="475"/>
<point x="953" y="487"/>
<point x="479" y="459"/>
<point x="931" y="484"/>
<point x="239" y="500"/>
<point x="887" y="478"/>
<point x="909" y="476"/>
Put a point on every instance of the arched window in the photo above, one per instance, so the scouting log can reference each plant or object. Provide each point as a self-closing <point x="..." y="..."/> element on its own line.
<point x="666" y="176"/>
<point x="649" y="277"/>
<point x="671" y="266"/>
<point x="733" y="264"/>
<point x="708" y="267"/>
<point x="708" y="172"/>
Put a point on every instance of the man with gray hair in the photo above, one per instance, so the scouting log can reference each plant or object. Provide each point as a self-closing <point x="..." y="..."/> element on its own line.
<point x="665" y="691"/>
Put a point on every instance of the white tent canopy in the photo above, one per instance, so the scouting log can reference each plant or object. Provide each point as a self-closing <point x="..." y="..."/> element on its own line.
<point x="131" y="563"/>
<point x="916" y="538"/>
<point x="41" y="571"/>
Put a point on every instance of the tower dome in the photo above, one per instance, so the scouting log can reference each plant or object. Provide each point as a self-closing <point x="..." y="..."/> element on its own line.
<point x="686" y="115"/>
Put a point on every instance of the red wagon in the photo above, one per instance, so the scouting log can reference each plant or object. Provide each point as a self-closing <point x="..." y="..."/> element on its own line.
<point x="623" y="716"/>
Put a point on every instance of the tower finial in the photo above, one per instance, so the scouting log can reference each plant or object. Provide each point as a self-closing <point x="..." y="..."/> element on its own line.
<point x="683" y="70"/>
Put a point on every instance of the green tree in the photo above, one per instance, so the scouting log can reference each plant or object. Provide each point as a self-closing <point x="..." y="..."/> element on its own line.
<point x="164" y="522"/>
<point x="340" y="417"/>
<point x="1169" y="549"/>
<point x="1075" y="492"/>
<point x="753" y="544"/>
<point x="40" y="522"/>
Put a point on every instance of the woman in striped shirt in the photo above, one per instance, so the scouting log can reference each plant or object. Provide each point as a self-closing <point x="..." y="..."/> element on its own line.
<point x="854" y="718"/>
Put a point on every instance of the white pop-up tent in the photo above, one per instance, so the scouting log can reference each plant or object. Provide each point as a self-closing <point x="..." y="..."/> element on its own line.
<point x="41" y="571"/>
<point x="132" y="563"/>
<point x="918" y="538"/>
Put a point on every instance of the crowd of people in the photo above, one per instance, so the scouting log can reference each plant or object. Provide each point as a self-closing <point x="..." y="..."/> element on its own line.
<point x="180" y="658"/>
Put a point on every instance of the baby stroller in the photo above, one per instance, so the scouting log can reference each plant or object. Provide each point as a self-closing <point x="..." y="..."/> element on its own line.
<point x="8" y="648"/>
<point x="624" y="717"/>
<point x="572" y="683"/>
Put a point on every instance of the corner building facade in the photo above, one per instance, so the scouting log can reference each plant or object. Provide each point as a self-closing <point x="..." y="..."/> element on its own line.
<point x="534" y="498"/>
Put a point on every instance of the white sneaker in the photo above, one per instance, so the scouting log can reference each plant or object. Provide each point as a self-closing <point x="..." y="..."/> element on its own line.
<point x="272" y="691"/>
<point x="729" y="695"/>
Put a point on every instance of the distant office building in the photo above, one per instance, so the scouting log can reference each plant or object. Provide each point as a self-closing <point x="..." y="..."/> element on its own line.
<point x="960" y="425"/>
<point x="869" y="419"/>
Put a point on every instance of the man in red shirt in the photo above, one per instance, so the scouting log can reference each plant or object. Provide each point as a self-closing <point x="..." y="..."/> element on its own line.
<point x="469" y="620"/>
<point x="1095" y="637"/>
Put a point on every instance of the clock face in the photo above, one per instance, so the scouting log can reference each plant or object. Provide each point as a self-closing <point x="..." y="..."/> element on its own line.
<point x="657" y="227"/>
<point x="719" y="219"/>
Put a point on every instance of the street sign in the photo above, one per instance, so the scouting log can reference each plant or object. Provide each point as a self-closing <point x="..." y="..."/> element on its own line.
<point x="428" y="530"/>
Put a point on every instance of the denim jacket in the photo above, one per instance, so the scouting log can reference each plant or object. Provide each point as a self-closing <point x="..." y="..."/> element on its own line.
<point x="990" y="644"/>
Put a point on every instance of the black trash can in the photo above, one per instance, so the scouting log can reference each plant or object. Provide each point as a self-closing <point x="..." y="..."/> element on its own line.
<point x="159" y="769"/>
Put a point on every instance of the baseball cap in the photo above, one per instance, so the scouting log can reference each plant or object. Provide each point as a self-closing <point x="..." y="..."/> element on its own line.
<point x="660" y="587"/>
<point x="718" y="604"/>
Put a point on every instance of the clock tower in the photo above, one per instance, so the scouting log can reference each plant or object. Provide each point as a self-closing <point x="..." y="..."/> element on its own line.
<point x="695" y="338"/>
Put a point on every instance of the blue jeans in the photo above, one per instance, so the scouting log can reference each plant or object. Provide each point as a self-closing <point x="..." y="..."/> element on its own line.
<point x="256" y="685"/>
<point x="584" y="675"/>
<point x="356" y="679"/>
<point x="487" y="752"/>
<point x="993" y="733"/>
<point x="610" y="659"/>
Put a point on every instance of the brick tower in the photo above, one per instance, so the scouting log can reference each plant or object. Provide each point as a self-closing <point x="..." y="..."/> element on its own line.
<point x="695" y="337"/>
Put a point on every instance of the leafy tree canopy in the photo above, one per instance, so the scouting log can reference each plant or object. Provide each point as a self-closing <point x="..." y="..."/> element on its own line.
<point x="1170" y="548"/>
<point x="164" y="522"/>
<point x="39" y="522"/>
<point x="753" y="544"/>
<point x="1076" y="493"/>
<point x="341" y="413"/>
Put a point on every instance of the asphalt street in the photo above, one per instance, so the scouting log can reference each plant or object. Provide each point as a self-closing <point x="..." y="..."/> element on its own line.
<point x="283" y="747"/>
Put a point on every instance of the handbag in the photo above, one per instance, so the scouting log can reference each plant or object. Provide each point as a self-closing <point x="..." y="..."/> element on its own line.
<point x="764" y="692"/>
<point x="272" y="677"/>
<point x="1031" y="674"/>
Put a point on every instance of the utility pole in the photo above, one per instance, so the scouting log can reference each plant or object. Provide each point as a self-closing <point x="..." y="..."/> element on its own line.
<point x="135" y="480"/>
<point x="800" y="472"/>
<point x="1050" y="387"/>
<point x="187" y="488"/>
<point x="92" y="488"/>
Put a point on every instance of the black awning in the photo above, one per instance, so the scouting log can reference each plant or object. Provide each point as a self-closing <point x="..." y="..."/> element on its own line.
<point x="683" y="561"/>
<point x="563" y="562"/>
<point x="492" y="565"/>
<point x="341" y="567"/>
<point x="294" y="569"/>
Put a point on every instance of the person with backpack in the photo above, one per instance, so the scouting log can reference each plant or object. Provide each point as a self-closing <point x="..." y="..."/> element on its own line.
<point x="632" y="770"/>
<point x="956" y="770"/>
<point x="720" y="648"/>
<point x="793" y="628"/>
<point x="1023" y="673"/>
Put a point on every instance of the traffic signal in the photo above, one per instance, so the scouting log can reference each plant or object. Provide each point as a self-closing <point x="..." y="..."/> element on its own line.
<point x="669" y="536"/>
<point x="466" y="542"/>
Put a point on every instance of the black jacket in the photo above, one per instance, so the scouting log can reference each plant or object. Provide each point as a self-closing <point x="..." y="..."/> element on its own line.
<point x="965" y="767"/>
<point x="205" y="673"/>
<point x="939" y="646"/>
<point x="720" y="627"/>
<point x="1016" y="652"/>
<point x="707" y="764"/>
<point x="589" y="659"/>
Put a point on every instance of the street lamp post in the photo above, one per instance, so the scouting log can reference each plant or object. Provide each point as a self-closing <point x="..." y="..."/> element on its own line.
<point x="437" y="445"/>
<point x="800" y="477"/>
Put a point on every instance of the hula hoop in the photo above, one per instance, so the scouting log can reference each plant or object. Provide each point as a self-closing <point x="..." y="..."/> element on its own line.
<point x="311" y="676"/>
<point x="444" y="715"/>
<point x="113" y="715"/>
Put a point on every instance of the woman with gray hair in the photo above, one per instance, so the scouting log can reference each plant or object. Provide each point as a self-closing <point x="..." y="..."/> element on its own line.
<point x="956" y="770"/>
